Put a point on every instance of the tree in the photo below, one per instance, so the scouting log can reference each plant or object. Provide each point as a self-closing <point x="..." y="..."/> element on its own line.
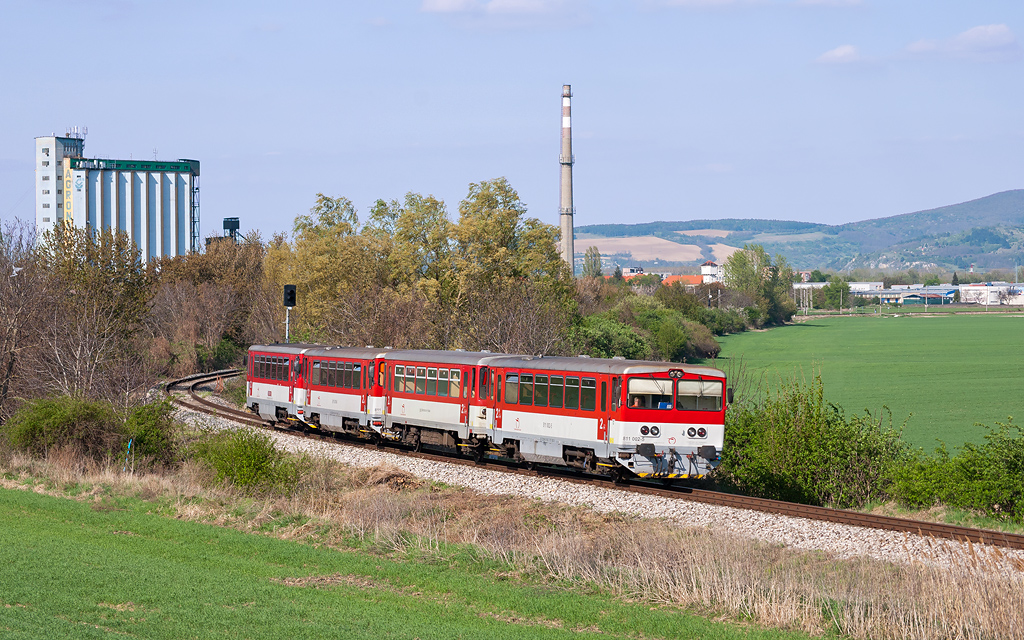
<point x="837" y="293"/>
<point x="592" y="263"/>
<point x="617" y="275"/>
<point x="818" y="276"/>
<point x="752" y="272"/>
<point x="956" y="280"/>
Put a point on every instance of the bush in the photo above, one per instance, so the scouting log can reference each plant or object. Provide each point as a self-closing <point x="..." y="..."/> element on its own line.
<point x="249" y="460"/>
<point x="797" y="447"/>
<point x="151" y="431"/>
<point x="224" y="355"/>
<point x="92" y="426"/>
<point x="988" y="477"/>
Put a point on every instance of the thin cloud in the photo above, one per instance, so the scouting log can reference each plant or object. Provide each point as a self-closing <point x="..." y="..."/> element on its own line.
<point x="991" y="42"/>
<point x="843" y="54"/>
<point x="495" y="6"/>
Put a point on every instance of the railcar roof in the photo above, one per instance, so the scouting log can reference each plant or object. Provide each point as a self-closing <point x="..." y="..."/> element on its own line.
<point x="283" y="347"/>
<point x="360" y="353"/>
<point x="599" y="365"/>
<point x="444" y="357"/>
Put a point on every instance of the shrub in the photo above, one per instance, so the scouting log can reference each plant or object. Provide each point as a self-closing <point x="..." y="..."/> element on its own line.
<point x="92" y="426"/>
<point x="795" y="446"/>
<point x="151" y="431"/>
<point x="987" y="477"/>
<point x="249" y="460"/>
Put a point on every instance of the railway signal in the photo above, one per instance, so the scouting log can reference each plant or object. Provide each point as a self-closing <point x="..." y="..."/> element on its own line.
<point x="289" y="302"/>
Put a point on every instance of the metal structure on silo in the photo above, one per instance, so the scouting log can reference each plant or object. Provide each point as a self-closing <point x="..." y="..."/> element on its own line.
<point x="155" y="202"/>
<point x="566" y="160"/>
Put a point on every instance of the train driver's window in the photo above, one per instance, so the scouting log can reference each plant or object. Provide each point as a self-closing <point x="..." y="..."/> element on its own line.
<point x="699" y="395"/>
<point x="399" y="378"/>
<point x="456" y="379"/>
<point x="512" y="389"/>
<point x="421" y="380"/>
<point x="555" y="392"/>
<point x="649" y="393"/>
<point x="431" y="382"/>
<point x="572" y="393"/>
<point x="588" y="396"/>
<point x="315" y="377"/>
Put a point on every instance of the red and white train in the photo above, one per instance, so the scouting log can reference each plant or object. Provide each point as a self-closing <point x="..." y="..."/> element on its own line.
<point x="617" y="417"/>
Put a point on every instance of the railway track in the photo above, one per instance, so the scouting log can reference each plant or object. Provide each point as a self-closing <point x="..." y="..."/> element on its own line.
<point x="841" y="516"/>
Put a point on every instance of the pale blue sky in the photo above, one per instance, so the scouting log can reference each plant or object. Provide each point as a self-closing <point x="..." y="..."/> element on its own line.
<point x="818" y="110"/>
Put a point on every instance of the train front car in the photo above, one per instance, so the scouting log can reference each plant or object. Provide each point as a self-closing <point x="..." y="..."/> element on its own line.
<point x="670" y="422"/>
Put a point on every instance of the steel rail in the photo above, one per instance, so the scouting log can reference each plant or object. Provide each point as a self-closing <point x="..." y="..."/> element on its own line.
<point x="776" y="507"/>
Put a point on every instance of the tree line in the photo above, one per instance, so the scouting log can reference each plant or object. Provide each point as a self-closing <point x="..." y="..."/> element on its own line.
<point x="81" y="315"/>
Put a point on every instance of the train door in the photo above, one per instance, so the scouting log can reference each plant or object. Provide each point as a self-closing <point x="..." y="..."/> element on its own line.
<point x="496" y="399"/>
<point x="602" y="420"/>
<point x="464" y="399"/>
<point x="363" y="386"/>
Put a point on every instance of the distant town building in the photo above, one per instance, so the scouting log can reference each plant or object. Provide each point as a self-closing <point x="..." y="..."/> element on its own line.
<point x="711" y="272"/>
<point x="155" y="203"/>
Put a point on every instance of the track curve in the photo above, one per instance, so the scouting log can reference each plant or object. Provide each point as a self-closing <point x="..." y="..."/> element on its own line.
<point x="840" y="516"/>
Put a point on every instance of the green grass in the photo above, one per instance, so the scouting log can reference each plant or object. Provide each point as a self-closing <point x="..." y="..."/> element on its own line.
<point x="78" y="570"/>
<point x="949" y="371"/>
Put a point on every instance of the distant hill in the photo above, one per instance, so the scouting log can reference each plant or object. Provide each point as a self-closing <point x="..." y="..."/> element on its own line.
<point x="987" y="232"/>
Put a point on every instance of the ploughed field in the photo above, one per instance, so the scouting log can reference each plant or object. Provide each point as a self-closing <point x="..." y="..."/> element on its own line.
<point x="949" y="371"/>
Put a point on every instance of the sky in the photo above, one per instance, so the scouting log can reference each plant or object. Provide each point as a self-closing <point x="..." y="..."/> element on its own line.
<point x="815" y="110"/>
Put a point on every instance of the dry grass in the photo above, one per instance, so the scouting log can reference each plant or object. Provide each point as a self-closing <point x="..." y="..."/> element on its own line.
<point x="979" y="595"/>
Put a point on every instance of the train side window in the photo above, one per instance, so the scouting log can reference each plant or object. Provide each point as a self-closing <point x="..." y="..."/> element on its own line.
<point x="540" y="391"/>
<point x="346" y="375"/>
<point x="442" y="382"/>
<point x="264" y="368"/>
<point x="604" y="396"/>
<point x="315" y="377"/>
<point x="257" y="362"/>
<point x="572" y="393"/>
<point x="526" y="388"/>
<point x="421" y="380"/>
<point x="588" y="396"/>
<point x="357" y="375"/>
<point x="399" y="378"/>
<point x="410" y="379"/>
<point x="555" y="392"/>
<point x="512" y="389"/>
<point x="277" y="368"/>
<point x="330" y="373"/>
<point x="456" y="379"/>
<point x="431" y="382"/>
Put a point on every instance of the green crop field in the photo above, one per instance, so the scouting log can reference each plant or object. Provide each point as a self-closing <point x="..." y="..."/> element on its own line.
<point x="949" y="371"/>
<point x="113" y="569"/>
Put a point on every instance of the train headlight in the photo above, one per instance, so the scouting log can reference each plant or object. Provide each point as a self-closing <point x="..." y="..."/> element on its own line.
<point x="702" y="432"/>
<point x="644" y="430"/>
<point x="655" y="431"/>
<point x="691" y="432"/>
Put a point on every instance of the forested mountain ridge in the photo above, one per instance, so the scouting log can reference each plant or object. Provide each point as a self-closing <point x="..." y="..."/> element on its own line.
<point x="988" y="232"/>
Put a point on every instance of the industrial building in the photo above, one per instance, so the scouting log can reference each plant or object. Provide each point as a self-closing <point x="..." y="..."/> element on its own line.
<point x="156" y="203"/>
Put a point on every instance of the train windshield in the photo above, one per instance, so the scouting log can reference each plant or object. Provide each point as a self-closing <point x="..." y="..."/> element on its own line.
<point x="649" y="393"/>
<point x="699" y="395"/>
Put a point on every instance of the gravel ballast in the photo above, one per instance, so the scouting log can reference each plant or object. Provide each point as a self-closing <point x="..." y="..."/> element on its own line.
<point x="837" y="540"/>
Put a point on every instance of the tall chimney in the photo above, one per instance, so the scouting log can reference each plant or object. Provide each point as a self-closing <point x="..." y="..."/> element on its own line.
<point x="566" y="160"/>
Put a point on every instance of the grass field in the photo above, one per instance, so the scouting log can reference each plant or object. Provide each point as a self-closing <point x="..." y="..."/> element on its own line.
<point x="949" y="371"/>
<point x="71" y="569"/>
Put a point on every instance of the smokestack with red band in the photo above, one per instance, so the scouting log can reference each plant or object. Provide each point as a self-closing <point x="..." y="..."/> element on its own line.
<point x="566" y="160"/>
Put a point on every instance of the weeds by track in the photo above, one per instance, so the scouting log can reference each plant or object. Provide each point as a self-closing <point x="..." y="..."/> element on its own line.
<point x="928" y="529"/>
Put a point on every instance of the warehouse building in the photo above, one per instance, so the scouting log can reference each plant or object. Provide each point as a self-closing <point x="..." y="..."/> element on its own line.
<point x="155" y="203"/>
